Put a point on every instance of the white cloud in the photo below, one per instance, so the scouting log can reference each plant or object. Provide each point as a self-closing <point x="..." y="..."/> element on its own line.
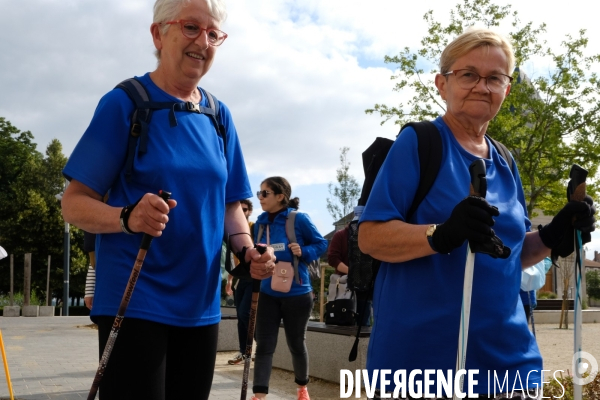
<point x="293" y="73"/>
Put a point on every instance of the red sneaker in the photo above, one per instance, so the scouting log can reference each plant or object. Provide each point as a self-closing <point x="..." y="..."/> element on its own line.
<point x="303" y="393"/>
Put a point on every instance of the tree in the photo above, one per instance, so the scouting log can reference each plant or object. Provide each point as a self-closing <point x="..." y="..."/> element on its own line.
<point x="592" y="279"/>
<point x="548" y="122"/>
<point x="31" y="217"/>
<point x="565" y="272"/>
<point x="346" y="192"/>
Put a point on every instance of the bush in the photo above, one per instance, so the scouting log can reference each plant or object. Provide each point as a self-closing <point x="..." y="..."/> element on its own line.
<point x="18" y="299"/>
<point x="592" y="279"/>
<point x="544" y="294"/>
<point x="554" y="390"/>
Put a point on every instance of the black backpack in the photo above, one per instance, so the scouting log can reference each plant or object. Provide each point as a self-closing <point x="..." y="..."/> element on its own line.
<point x="362" y="268"/>
<point x="144" y="108"/>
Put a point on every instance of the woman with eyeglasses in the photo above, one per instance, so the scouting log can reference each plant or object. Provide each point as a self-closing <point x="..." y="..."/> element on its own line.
<point x="293" y="306"/>
<point x="419" y="288"/>
<point x="166" y="347"/>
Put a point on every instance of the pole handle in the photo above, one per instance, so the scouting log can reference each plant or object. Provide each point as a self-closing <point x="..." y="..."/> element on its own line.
<point x="147" y="239"/>
<point x="261" y="248"/>
<point x="576" y="187"/>
<point x="478" y="185"/>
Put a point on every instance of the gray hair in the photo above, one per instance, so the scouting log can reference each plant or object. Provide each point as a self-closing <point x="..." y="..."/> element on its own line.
<point x="167" y="10"/>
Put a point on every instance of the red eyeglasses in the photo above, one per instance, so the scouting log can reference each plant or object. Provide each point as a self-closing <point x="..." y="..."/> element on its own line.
<point x="191" y="30"/>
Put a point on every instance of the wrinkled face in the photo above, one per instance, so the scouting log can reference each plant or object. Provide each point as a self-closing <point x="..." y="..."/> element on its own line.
<point x="479" y="103"/>
<point x="271" y="202"/>
<point x="183" y="57"/>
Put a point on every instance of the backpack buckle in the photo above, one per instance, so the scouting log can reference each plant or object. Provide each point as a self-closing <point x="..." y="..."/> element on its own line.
<point x="136" y="129"/>
<point x="192" y="107"/>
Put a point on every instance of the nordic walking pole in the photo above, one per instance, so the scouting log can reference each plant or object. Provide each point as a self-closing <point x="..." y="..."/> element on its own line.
<point x="251" y="325"/>
<point x="530" y="296"/>
<point x="478" y="188"/>
<point x="135" y="273"/>
<point x="10" y="389"/>
<point x="576" y="192"/>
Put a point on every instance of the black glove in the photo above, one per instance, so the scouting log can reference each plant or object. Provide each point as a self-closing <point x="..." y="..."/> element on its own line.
<point x="470" y="220"/>
<point x="559" y="234"/>
<point x="494" y="248"/>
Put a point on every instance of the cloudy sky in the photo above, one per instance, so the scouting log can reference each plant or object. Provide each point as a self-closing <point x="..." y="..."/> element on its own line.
<point x="297" y="74"/>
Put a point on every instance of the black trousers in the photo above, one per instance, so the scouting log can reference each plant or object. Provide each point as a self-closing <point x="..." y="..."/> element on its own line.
<point x="153" y="361"/>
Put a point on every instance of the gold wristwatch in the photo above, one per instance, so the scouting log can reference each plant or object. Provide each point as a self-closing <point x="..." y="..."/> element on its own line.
<point x="429" y="234"/>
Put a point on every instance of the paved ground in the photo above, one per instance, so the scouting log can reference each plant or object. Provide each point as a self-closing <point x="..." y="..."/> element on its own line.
<point x="56" y="358"/>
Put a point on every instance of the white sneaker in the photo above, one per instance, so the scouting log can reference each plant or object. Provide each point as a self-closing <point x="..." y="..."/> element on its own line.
<point x="238" y="358"/>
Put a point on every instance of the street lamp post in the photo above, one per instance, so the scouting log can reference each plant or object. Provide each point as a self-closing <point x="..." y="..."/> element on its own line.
<point x="67" y="256"/>
<point x="66" y="260"/>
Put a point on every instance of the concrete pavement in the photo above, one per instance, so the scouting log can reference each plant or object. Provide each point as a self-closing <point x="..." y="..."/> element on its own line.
<point x="57" y="358"/>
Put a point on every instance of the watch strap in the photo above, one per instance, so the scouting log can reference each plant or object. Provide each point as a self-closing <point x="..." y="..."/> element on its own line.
<point x="430" y="239"/>
<point x="124" y="218"/>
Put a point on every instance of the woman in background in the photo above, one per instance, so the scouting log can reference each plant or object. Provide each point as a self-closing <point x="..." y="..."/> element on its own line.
<point x="295" y="306"/>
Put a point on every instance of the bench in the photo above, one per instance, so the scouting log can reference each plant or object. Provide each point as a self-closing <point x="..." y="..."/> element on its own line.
<point x="552" y="304"/>
<point x="328" y="349"/>
<point x="228" y="332"/>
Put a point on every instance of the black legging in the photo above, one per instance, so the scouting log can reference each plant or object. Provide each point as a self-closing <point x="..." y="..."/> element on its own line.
<point x="295" y="312"/>
<point x="153" y="361"/>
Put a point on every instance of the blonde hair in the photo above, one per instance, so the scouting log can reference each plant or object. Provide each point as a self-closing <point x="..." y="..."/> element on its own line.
<point x="474" y="38"/>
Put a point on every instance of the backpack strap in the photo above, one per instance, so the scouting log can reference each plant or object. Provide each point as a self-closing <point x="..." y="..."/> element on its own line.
<point x="290" y="232"/>
<point x="503" y="151"/>
<point x="142" y="114"/>
<point x="214" y="112"/>
<point x="430" y="160"/>
<point x="140" y="120"/>
<point x="261" y="229"/>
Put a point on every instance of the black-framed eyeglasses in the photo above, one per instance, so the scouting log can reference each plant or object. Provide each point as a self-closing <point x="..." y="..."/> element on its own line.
<point x="244" y="209"/>
<point x="263" y="193"/>
<point x="468" y="79"/>
<point x="191" y="30"/>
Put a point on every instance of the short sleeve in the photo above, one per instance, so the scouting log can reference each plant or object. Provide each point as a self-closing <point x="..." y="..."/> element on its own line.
<point x="100" y="154"/>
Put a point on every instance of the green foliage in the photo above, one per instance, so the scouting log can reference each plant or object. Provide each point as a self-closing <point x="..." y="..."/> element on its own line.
<point x="562" y="388"/>
<point x="548" y="122"/>
<point x="19" y="299"/>
<point x="347" y="191"/>
<point x="592" y="279"/>
<point x="31" y="217"/>
<point x="545" y="295"/>
<point x="559" y="388"/>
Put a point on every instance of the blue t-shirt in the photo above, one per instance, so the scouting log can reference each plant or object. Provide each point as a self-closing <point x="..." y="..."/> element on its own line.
<point x="417" y="303"/>
<point x="180" y="281"/>
<point x="310" y="240"/>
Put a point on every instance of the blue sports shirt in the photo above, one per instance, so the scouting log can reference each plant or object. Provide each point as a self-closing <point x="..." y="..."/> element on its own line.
<point x="417" y="303"/>
<point x="180" y="280"/>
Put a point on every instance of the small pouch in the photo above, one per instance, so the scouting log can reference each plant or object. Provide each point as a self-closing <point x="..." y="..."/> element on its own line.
<point x="282" y="277"/>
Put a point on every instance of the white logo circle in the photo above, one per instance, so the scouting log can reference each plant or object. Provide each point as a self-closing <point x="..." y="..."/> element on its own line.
<point x="580" y="367"/>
